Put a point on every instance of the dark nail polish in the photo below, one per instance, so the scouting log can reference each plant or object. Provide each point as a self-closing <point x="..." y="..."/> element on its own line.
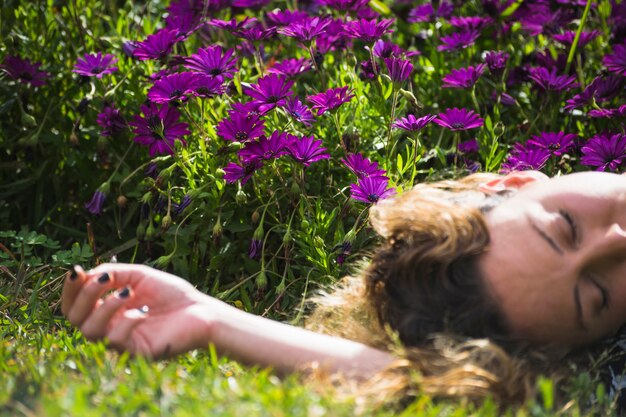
<point x="73" y="274"/>
<point x="124" y="293"/>
<point x="104" y="278"/>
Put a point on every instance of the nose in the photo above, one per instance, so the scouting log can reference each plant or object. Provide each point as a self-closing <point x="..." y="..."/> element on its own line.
<point x="610" y="245"/>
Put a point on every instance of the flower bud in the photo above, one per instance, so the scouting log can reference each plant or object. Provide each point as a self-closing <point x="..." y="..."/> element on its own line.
<point x="319" y="242"/>
<point x="122" y="201"/>
<point x="147" y="197"/>
<point x="166" y="222"/>
<point x="141" y="230"/>
<point x="261" y="280"/>
<point x="241" y="197"/>
<point x="150" y="232"/>
<point x="255" y="217"/>
<point x="219" y="173"/>
<point x="304" y="224"/>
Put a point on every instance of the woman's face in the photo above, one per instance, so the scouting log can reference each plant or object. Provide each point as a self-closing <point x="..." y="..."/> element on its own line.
<point x="556" y="261"/>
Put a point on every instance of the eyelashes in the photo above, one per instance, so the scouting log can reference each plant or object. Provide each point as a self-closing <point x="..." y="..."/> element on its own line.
<point x="573" y="226"/>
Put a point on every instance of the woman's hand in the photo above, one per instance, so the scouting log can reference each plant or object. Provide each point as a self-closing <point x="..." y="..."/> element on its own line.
<point x="139" y="309"/>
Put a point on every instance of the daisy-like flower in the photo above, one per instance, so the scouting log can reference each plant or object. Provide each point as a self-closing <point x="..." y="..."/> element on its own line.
<point x="208" y="87"/>
<point x="557" y="143"/>
<point x="250" y="4"/>
<point x="24" y="71"/>
<point x="459" y="119"/>
<point x="371" y="189"/>
<point x="496" y="61"/>
<point x="427" y="12"/>
<point x="368" y="31"/>
<point x="468" y="146"/>
<point x="232" y="25"/>
<point x="159" y="128"/>
<point x="525" y="158"/>
<point x="213" y="61"/>
<point x="413" y="124"/>
<point x="385" y="49"/>
<point x="178" y="208"/>
<point x="330" y="100"/>
<point x="285" y="17"/>
<point x="616" y="62"/>
<point x="362" y="167"/>
<point x="291" y="67"/>
<point x="567" y="38"/>
<point x="266" y="148"/>
<point x="367" y="71"/>
<point x="345" y="5"/>
<point x="399" y="69"/>
<point x="95" y="65"/>
<point x="97" y="201"/>
<point x="307" y="29"/>
<point x="157" y="46"/>
<point x="235" y="172"/>
<point x="463" y="77"/>
<point x="605" y="151"/>
<point x="458" y="40"/>
<point x="470" y="22"/>
<point x="111" y="121"/>
<point x="551" y="80"/>
<point x="600" y="89"/>
<point x="240" y="127"/>
<point x="269" y="92"/>
<point x="539" y="18"/>
<point x="255" y="33"/>
<point x="173" y="88"/>
<point x="306" y="150"/>
<point x="299" y="111"/>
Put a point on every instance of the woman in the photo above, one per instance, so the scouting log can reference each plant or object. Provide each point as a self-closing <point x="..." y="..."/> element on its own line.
<point x="467" y="270"/>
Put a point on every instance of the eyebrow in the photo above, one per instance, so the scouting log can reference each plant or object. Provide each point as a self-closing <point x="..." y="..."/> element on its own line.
<point x="579" y="308"/>
<point x="547" y="238"/>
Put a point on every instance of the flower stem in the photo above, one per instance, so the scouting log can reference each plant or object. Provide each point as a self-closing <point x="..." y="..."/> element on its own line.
<point x="391" y="118"/>
<point x="581" y="25"/>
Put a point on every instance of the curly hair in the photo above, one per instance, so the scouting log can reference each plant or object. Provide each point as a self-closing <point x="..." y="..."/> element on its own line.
<point x="422" y="287"/>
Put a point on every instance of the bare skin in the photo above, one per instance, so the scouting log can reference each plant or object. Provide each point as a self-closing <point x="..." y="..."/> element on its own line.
<point x="179" y="318"/>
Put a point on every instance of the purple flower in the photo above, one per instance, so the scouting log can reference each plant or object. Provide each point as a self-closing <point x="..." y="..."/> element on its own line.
<point x="250" y="4"/>
<point x="307" y="29"/>
<point x="97" y="201"/>
<point x="208" y="87"/>
<point x="285" y="17"/>
<point x="330" y="100"/>
<point x="235" y="172"/>
<point x="254" y="252"/>
<point x="173" y="87"/>
<point x="384" y="49"/>
<point x="345" y="5"/>
<point x="24" y="71"/>
<point x="427" y="13"/>
<point x="607" y="113"/>
<point x="366" y="70"/>
<point x="413" y="124"/>
<point x="111" y="121"/>
<point x="232" y="25"/>
<point x="616" y="62"/>
<point x="459" y="119"/>
<point x="605" y="151"/>
<point x="362" y="166"/>
<point x="551" y="81"/>
<point x="463" y="77"/>
<point x="496" y="61"/>
<point x="299" y="111"/>
<point x="525" y="158"/>
<point x="368" y="31"/>
<point x="240" y="127"/>
<point x="458" y="40"/>
<point x="184" y="24"/>
<point x="307" y="150"/>
<point x="266" y="148"/>
<point x="399" y="69"/>
<point x="291" y="67"/>
<point x="256" y="32"/>
<point x="539" y="18"/>
<point x="271" y="91"/>
<point x="470" y="22"/>
<point x="557" y="143"/>
<point x="178" y="208"/>
<point x="156" y="46"/>
<point x="371" y="189"/>
<point x="345" y="249"/>
<point x="600" y="89"/>
<point x="567" y="38"/>
<point x="158" y="128"/>
<point x="95" y="65"/>
<point x="468" y="146"/>
<point x="213" y="61"/>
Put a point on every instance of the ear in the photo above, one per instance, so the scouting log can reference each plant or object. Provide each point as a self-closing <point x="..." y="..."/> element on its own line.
<point x="512" y="181"/>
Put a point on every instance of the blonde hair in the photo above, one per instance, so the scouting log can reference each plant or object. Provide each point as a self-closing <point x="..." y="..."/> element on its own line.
<point x="422" y="296"/>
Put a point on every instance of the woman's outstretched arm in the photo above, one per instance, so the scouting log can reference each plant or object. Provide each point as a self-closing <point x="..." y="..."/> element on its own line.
<point x="152" y="313"/>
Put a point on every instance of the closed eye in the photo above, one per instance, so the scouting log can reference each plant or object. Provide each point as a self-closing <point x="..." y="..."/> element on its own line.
<point x="603" y="291"/>
<point x="572" y="225"/>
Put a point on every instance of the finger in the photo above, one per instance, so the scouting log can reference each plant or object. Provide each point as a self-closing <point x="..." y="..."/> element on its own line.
<point x="96" y="325"/>
<point x="120" y="336"/>
<point x="71" y="287"/>
<point x="88" y="297"/>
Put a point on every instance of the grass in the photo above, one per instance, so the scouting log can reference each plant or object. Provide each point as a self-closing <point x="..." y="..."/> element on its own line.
<point x="48" y="369"/>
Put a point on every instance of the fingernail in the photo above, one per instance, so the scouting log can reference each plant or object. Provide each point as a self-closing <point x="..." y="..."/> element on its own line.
<point x="104" y="278"/>
<point x="124" y="293"/>
<point x="73" y="274"/>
